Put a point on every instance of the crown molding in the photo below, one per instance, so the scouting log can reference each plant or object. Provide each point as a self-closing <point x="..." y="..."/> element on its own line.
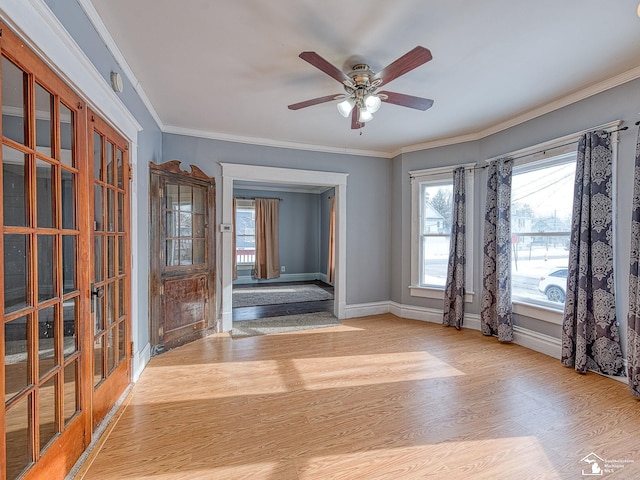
<point x="265" y="142"/>
<point x="574" y="97"/>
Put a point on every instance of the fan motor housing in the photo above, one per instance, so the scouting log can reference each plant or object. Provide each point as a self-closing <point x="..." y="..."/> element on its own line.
<point x="361" y="75"/>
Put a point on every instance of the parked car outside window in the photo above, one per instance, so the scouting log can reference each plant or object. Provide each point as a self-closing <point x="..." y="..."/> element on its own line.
<point x="554" y="285"/>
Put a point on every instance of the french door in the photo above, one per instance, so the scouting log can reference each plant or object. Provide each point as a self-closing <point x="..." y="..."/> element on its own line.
<point x="48" y="339"/>
<point x="110" y="276"/>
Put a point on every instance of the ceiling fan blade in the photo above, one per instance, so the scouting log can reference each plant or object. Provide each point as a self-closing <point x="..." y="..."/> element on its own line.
<point x="320" y="63"/>
<point x="315" y="101"/>
<point x="410" y="60"/>
<point x="355" y="124"/>
<point x="410" y="101"/>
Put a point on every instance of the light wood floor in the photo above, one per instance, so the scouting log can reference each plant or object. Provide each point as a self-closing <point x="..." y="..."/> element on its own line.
<point x="375" y="398"/>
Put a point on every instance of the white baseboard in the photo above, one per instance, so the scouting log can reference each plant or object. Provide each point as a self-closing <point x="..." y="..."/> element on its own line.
<point x="538" y="342"/>
<point x="285" y="277"/>
<point x="366" y="309"/>
<point x="140" y="360"/>
<point x="535" y="341"/>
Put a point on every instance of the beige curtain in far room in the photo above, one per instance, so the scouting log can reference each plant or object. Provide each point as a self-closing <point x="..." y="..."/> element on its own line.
<point x="331" y="264"/>
<point x="267" y="255"/>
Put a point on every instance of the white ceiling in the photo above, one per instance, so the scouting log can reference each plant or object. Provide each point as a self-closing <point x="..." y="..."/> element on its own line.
<point x="229" y="68"/>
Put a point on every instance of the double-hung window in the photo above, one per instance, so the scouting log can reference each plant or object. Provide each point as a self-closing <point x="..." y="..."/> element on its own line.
<point x="541" y="209"/>
<point x="542" y="189"/>
<point x="432" y="212"/>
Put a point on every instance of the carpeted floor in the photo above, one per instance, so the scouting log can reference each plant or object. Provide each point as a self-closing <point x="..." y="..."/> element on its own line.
<point x="272" y="295"/>
<point x="284" y="324"/>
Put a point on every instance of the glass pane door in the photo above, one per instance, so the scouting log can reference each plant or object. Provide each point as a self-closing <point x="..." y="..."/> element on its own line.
<point x="110" y="287"/>
<point x="41" y="295"/>
<point x="185" y="217"/>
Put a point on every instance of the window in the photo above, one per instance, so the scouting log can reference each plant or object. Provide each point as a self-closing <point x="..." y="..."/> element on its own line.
<point x="435" y="232"/>
<point x="541" y="208"/>
<point x="432" y="207"/>
<point x="245" y="231"/>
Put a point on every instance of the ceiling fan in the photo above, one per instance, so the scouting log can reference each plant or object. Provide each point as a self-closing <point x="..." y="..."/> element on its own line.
<point x="361" y="84"/>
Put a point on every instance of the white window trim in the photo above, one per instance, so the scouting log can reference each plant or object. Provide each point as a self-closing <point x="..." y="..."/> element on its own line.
<point x="430" y="175"/>
<point x="538" y="311"/>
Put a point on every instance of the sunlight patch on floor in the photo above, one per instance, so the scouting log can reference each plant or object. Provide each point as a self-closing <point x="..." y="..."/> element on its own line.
<point x="217" y="380"/>
<point x="495" y="459"/>
<point x="359" y="370"/>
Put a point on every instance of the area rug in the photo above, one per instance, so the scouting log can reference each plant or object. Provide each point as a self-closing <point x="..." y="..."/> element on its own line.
<point x="272" y="295"/>
<point x="283" y="324"/>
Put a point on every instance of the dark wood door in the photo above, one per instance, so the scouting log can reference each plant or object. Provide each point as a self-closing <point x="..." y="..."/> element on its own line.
<point x="183" y="260"/>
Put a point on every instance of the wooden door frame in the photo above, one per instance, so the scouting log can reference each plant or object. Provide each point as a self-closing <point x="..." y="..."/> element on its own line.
<point x="171" y="170"/>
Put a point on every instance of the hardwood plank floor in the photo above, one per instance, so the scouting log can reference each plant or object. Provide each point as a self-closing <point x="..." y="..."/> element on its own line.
<point x="276" y="310"/>
<point x="375" y="398"/>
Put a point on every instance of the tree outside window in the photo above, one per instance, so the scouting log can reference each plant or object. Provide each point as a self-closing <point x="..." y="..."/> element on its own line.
<point x="435" y="220"/>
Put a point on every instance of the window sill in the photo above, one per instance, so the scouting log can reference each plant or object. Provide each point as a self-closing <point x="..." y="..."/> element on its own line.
<point x="539" y="312"/>
<point x="437" y="293"/>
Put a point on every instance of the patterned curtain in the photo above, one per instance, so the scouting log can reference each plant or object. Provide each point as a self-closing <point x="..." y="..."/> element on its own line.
<point x="454" y="289"/>
<point x="495" y="316"/>
<point x="267" y="236"/>
<point x="590" y="336"/>
<point x="633" y="332"/>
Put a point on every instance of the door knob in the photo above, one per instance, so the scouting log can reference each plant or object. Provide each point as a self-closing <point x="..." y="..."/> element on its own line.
<point x="97" y="292"/>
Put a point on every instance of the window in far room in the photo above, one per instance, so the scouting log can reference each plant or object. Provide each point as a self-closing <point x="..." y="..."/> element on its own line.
<point x="245" y="231"/>
<point x="432" y="207"/>
<point x="541" y="208"/>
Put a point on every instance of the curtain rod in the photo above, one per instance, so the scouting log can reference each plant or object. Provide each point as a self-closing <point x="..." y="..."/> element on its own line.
<point x="256" y="198"/>
<point x="472" y="167"/>
<point x="563" y="145"/>
<point x="551" y="145"/>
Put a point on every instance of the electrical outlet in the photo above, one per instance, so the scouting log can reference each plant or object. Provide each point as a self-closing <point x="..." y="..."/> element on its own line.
<point x="282" y="268"/>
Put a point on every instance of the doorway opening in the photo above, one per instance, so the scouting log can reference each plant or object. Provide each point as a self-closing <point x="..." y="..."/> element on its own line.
<point x="300" y="282"/>
<point x="236" y="176"/>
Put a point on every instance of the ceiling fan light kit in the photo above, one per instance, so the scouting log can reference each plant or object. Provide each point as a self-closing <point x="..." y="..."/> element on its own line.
<point x="345" y="107"/>
<point x="361" y="100"/>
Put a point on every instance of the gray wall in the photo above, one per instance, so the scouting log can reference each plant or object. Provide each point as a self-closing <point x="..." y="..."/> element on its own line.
<point x="620" y="103"/>
<point x="368" y="198"/>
